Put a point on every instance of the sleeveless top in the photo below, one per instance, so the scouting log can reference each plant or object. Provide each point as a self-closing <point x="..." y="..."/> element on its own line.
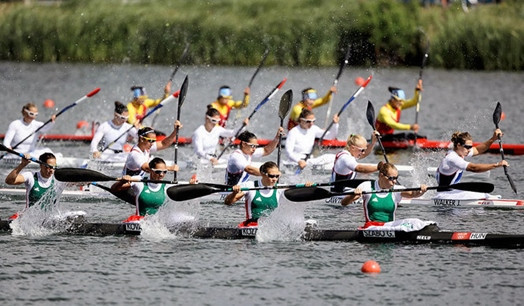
<point x="149" y="201"/>
<point x="380" y="209"/>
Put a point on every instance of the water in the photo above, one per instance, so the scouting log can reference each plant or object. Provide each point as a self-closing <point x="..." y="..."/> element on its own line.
<point x="163" y="268"/>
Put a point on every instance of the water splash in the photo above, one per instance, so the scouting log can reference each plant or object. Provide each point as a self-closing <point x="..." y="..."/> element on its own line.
<point x="285" y="223"/>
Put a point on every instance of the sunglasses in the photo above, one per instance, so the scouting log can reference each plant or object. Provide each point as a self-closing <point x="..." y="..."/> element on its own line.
<point x="361" y="150"/>
<point x="251" y="145"/>
<point x="468" y="147"/>
<point x="391" y="178"/>
<point x="308" y="120"/>
<point x="151" y="140"/>
<point x="273" y="175"/>
<point x="31" y="114"/>
<point x="158" y="171"/>
<point x="121" y="117"/>
<point x="49" y="166"/>
<point x="213" y="120"/>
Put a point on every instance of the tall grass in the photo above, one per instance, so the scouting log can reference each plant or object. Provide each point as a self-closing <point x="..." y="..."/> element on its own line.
<point x="236" y="32"/>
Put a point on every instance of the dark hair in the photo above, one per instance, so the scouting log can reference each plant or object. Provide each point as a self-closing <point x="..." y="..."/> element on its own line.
<point x="145" y="130"/>
<point x="155" y="161"/>
<point x="246" y="136"/>
<point x="305" y="112"/>
<point x="212" y="111"/>
<point x="120" y="107"/>
<point x="384" y="167"/>
<point x="28" y="106"/>
<point x="46" y="156"/>
<point x="459" y="138"/>
<point x="267" y="165"/>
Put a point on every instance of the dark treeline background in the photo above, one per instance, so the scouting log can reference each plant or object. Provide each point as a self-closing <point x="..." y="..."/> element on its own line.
<point x="382" y="33"/>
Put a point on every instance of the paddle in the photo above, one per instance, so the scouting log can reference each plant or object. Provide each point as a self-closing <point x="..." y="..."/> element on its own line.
<point x="76" y="175"/>
<point x="161" y="104"/>
<point x="63" y="110"/>
<point x="181" y="98"/>
<point x="335" y="82"/>
<point x="314" y="193"/>
<point x="4" y="148"/>
<point x="124" y="195"/>
<point x="424" y="59"/>
<point x="355" y="94"/>
<point x="267" y="98"/>
<point x="285" y="105"/>
<point x="496" y="119"/>
<point x="184" y="54"/>
<point x="192" y="191"/>
<point x="370" y="115"/>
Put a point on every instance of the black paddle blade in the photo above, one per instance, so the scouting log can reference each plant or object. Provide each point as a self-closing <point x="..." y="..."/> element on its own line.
<point x="285" y="104"/>
<point x="125" y="195"/>
<point x="370" y="114"/>
<point x="306" y="194"/>
<point x="472" y="186"/>
<point x="191" y="191"/>
<point x="80" y="175"/>
<point x="497" y="114"/>
<point x="183" y="92"/>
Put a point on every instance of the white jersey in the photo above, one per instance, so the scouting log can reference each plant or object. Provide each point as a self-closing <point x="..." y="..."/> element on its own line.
<point x="109" y="132"/>
<point x="205" y="143"/>
<point x="136" y="159"/>
<point x="451" y="168"/>
<point x="18" y="130"/>
<point x="237" y="162"/>
<point x="344" y="166"/>
<point x="299" y="141"/>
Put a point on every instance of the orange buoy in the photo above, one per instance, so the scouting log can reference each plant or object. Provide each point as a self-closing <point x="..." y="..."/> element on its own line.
<point x="359" y="81"/>
<point x="370" y="266"/>
<point x="48" y="103"/>
<point x="127" y="147"/>
<point x="82" y="124"/>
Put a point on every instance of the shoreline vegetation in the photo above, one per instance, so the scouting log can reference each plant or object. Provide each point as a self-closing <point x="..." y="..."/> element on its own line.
<point x="381" y="33"/>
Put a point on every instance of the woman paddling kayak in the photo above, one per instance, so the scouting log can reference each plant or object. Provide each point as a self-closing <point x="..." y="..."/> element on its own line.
<point x="454" y="164"/>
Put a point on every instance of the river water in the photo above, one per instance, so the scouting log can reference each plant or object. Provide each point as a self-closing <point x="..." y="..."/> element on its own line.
<point x="163" y="268"/>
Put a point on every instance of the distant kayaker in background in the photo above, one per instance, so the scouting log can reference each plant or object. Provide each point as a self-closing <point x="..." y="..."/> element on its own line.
<point x="239" y="163"/>
<point x="388" y="119"/>
<point x="225" y="103"/>
<point x="137" y="162"/>
<point x="380" y="208"/>
<point x="36" y="183"/>
<point x="109" y="131"/>
<point x="206" y="137"/>
<point x="309" y="101"/>
<point x="137" y="108"/>
<point x="262" y="202"/>
<point x="454" y="164"/>
<point x="19" y="129"/>
<point x="301" y="139"/>
<point x="346" y="166"/>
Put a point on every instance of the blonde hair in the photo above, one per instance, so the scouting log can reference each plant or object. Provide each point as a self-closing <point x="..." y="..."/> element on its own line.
<point x="28" y="106"/>
<point x="353" y="139"/>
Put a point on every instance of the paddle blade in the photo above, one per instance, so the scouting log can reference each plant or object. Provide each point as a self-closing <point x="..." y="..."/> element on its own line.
<point x="306" y="194"/>
<point x="370" y="114"/>
<point x="183" y="92"/>
<point x="80" y="175"/>
<point x="474" y="186"/>
<point x="191" y="191"/>
<point x="125" y="195"/>
<point x="497" y="115"/>
<point x="285" y="104"/>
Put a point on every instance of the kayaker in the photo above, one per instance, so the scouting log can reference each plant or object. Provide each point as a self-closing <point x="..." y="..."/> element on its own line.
<point x="137" y="162"/>
<point x="19" y="129"/>
<point x="346" y="166"/>
<point x="149" y="197"/>
<point x="301" y="138"/>
<point x="388" y="119"/>
<point x="239" y="166"/>
<point x="206" y="137"/>
<point x="37" y="183"/>
<point x="262" y="202"/>
<point x="380" y="208"/>
<point x="137" y="108"/>
<point x="309" y="101"/>
<point x="225" y="103"/>
<point x="109" y="131"/>
<point x="454" y="164"/>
